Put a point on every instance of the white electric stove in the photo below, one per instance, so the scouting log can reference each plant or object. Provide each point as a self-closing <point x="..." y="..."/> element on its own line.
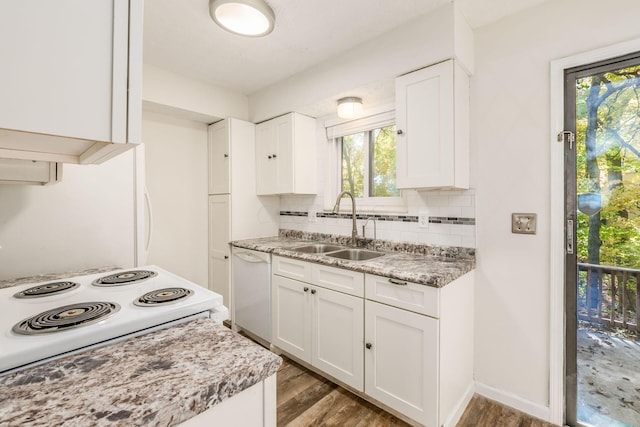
<point x="47" y="320"/>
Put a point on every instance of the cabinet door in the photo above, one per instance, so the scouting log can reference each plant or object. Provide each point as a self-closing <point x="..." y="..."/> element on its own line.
<point x="425" y="123"/>
<point x="219" y="158"/>
<point x="291" y="317"/>
<point x="219" y="227"/>
<point x="283" y="154"/>
<point x="401" y="361"/>
<point x="266" y="165"/>
<point x="337" y="331"/>
<point x="70" y="69"/>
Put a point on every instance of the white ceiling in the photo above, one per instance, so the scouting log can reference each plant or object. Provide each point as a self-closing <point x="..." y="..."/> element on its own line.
<point x="179" y="35"/>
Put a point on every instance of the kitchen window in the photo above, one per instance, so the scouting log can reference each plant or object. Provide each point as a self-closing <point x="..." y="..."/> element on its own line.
<point x="364" y="155"/>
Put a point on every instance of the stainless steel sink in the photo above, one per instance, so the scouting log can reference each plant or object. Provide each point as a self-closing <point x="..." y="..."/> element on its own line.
<point x="355" y="254"/>
<point x="317" y="248"/>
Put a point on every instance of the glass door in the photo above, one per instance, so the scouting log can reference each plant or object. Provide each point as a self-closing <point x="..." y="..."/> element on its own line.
<point x="602" y="186"/>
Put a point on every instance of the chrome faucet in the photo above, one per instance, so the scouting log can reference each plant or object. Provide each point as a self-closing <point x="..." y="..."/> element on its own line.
<point x="375" y="232"/>
<point x="354" y="231"/>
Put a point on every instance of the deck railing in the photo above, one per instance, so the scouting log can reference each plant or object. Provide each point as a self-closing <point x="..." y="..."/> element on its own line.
<point x="609" y="295"/>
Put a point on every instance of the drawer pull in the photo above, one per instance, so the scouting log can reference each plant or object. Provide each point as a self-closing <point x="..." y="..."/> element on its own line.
<point x="306" y="289"/>
<point x="368" y="345"/>
<point x="313" y="291"/>
<point x="397" y="282"/>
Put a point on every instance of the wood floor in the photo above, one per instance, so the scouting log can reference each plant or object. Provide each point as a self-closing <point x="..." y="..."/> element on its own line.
<point x="306" y="399"/>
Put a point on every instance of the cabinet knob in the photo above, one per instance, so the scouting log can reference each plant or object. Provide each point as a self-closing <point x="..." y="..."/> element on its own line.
<point x="226" y="155"/>
<point x="313" y="291"/>
<point x="400" y="132"/>
<point x="269" y="156"/>
<point x="306" y="289"/>
<point x="274" y="156"/>
<point x="226" y="257"/>
<point x="368" y="345"/>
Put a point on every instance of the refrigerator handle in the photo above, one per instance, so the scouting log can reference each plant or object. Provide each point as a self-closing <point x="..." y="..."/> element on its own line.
<point x="147" y="201"/>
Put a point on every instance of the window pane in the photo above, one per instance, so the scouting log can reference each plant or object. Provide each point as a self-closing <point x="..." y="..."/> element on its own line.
<point x="383" y="173"/>
<point x="353" y="164"/>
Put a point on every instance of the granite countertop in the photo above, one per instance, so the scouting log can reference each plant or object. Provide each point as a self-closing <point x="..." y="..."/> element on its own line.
<point x="158" y="379"/>
<point x="423" y="264"/>
<point x="53" y="276"/>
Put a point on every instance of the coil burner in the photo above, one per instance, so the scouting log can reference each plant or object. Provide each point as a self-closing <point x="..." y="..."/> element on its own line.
<point x="47" y="289"/>
<point x="163" y="297"/>
<point x="124" y="278"/>
<point x="66" y="317"/>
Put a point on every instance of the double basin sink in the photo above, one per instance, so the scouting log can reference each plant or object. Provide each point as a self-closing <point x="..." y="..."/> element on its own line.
<point x="339" y="252"/>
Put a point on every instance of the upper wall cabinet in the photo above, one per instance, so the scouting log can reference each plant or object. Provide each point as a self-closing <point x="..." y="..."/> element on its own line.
<point x="219" y="150"/>
<point x="432" y="120"/>
<point x="71" y="84"/>
<point x="286" y="155"/>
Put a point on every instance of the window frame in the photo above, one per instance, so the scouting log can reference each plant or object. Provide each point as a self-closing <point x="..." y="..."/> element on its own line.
<point x="397" y="204"/>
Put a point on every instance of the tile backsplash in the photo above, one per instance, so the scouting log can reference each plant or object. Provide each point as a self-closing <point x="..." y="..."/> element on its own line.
<point x="450" y="218"/>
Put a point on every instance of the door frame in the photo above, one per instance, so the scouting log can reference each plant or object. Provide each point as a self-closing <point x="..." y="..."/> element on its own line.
<point x="557" y="218"/>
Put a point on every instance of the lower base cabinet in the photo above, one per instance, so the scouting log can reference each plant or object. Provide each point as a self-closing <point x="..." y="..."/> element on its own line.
<point x="321" y="327"/>
<point x="407" y="346"/>
<point x="401" y="361"/>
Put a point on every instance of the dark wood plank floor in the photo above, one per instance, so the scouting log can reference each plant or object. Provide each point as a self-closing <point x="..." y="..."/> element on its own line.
<point x="306" y="399"/>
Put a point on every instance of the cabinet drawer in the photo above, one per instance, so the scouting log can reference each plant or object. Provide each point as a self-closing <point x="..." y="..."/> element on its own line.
<point x="409" y="296"/>
<point x="292" y="268"/>
<point x="349" y="282"/>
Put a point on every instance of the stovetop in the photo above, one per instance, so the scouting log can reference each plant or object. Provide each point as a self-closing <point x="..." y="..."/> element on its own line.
<point x="45" y="320"/>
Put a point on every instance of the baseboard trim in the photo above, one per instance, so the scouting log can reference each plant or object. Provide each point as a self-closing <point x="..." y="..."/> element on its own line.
<point x="516" y="402"/>
<point x="455" y="416"/>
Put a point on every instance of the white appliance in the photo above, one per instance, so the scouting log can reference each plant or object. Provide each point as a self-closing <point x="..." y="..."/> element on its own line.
<point x="252" y="292"/>
<point x="52" y="319"/>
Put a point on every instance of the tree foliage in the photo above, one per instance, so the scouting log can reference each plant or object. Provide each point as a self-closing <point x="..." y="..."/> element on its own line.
<point x="608" y="163"/>
<point x="377" y="148"/>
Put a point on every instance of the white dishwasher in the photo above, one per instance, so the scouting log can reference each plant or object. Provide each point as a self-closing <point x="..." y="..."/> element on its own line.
<point x="252" y="292"/>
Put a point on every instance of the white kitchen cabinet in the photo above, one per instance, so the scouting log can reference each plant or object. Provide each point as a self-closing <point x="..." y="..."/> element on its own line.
<point x="286" y="155"/>
<point x="291" y="317"/>
<point x="72" y="92"/>
<point x="337" y="334"/>
<point x="432" y="121"/>
<point x="319" y="326"/>
<point x="401" y="361"/>
<point x="219" y="150"/>
<point x="219" y="249"/>
<point x="419" y="347"/>
<point x="235" y="212"/>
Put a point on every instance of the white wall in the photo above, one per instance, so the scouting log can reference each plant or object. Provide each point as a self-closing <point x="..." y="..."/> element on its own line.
<point x="85" y="221"/>
<point x="176" y="177"/>
<point x="426" y="40"/>
<point x="510" y="170"/>
<point x="166" y="92"/>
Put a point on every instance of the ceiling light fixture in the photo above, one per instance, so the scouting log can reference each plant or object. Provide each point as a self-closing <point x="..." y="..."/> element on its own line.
<point x="349" y="107"/>
<point x="251" y="18"/>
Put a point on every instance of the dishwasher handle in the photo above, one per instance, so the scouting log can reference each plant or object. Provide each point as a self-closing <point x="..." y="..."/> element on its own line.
<point x="249" y="257"/>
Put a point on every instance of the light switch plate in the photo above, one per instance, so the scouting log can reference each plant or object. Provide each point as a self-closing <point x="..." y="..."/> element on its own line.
<point x="524" y="223"/>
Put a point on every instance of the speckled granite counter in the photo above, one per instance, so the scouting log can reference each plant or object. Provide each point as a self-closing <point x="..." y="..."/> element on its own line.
<point x="53" y="276"/>
<point x="159" y="379"/>
<point x="427" y="265"/>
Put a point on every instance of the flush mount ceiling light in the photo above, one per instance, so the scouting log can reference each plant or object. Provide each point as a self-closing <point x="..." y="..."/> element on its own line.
<point x="252" y="18"/>
<point x="349" y="107"/>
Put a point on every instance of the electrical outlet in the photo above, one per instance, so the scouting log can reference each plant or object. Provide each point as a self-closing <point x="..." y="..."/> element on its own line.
<point x="312" y="216"/>
<point x="523" y="223"/>
<point x="423" y="220"/>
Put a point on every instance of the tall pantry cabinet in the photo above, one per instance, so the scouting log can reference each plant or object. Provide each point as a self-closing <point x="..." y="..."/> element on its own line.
<point x="235" y="212"/>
